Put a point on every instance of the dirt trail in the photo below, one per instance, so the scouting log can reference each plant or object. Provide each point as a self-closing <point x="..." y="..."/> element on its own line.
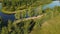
<point x="17" y="21"/>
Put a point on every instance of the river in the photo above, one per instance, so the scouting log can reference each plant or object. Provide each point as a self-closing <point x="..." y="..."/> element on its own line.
<point x="52" y="4"/>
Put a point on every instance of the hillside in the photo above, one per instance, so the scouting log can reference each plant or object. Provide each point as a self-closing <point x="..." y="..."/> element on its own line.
<point x="51" y="26"/>
<point x="29" y="17"/>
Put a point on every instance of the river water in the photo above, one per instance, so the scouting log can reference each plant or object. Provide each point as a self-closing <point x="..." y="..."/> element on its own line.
<point x="52" y="4"/>
<point x="5" y="17"/>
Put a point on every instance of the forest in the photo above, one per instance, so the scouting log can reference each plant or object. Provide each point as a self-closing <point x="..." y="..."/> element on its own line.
<point x="28" y="16"/>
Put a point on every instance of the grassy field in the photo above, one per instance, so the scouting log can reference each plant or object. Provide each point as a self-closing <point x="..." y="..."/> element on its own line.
<point x="51" y="26"/>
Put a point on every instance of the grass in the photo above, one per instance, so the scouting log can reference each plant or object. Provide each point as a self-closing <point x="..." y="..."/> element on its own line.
<point x="51" y="26"/>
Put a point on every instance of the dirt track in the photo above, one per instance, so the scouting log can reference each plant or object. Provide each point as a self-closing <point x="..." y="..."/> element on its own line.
<point x="17" y="21"/>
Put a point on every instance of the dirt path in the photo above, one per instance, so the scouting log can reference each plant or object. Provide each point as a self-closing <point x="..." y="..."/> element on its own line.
<point x="17" y="21"/>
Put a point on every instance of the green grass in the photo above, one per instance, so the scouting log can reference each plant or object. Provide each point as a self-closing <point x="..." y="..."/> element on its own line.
<point x="51" y="26"/>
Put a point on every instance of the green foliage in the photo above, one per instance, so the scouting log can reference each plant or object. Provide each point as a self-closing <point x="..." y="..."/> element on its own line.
<point x="4" y="30"/>
<point x="13" y="32"/>
<point x="26" y="26"/>
<point x="17" y="15"/>
<point x="23" y="13"/>
<point x="9" y="25"/>
<point x="23" y="7"/>
<point x="14" y="5"/>
<point x="24" y="29"/>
